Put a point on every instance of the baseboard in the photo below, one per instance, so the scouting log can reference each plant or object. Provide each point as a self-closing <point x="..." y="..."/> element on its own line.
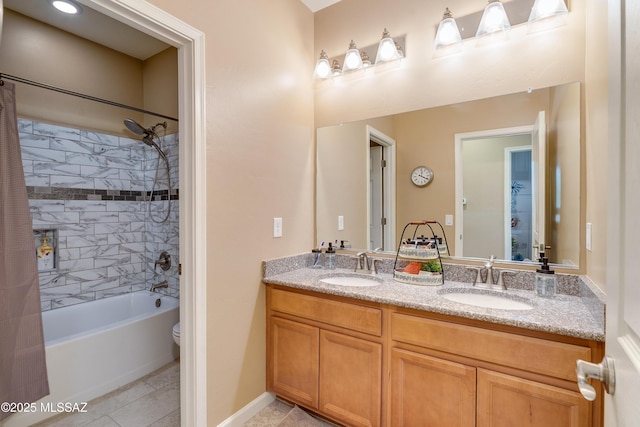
<point x="248" y="411"/>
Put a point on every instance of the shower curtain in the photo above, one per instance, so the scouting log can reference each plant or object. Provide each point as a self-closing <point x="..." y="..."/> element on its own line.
<point x="23" y="371"/>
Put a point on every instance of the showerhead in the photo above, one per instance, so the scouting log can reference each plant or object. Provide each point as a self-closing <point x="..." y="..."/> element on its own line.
<point x="135" y="127"/>
<point x="147" y="134"/>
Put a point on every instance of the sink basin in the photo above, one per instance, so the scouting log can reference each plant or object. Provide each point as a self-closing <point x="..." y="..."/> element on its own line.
<point x="488" y="300"/>
<point x="358" y="281"/>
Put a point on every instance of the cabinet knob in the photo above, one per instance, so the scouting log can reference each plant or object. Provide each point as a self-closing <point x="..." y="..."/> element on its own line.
<point x="603" y="372"/>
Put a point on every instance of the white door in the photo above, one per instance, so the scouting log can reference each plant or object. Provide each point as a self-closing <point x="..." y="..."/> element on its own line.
<point x="538" y="183"/>
<point x="376" y="197"/>
<point x="623" y="247"/>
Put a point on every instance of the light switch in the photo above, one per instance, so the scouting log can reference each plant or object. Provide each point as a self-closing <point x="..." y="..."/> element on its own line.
<point x="277" y="227"/>
<point x="588" y="236"/>
<point x="340" y="222"/>
<point x="448" y="219"/>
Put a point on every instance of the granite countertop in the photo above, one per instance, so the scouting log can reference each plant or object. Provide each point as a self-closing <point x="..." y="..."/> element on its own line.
<point x="580" y="315"/>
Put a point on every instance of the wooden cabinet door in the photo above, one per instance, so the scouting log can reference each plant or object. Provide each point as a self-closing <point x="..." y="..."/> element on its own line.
<point x="294" y="361"/>
<point x="350" y="379"/>
<point x="504" y="400"/>
<point x="427" y="391"/>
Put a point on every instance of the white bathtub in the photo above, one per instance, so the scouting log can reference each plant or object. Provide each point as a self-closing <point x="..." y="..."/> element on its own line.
<point x="96" y="347"/>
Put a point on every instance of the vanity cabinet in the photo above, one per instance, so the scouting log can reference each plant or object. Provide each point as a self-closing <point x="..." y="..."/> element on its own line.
<point x="326" y="355"/>
<point x="444" y="373"/>
<point x="366" y="364"/>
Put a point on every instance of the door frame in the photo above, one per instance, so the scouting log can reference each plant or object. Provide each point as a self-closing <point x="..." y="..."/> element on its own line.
<point x="507" y="197"/>
<point x="389" y="178"/>
<point x="459" y="139"/>
<point x="189" y="41"/>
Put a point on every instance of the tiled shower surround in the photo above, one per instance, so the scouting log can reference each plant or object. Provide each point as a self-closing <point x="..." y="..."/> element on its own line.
<point x="93" y="189"/>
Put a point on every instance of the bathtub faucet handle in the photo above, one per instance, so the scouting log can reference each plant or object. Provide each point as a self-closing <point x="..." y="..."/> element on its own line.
<point x="164" y="261"/>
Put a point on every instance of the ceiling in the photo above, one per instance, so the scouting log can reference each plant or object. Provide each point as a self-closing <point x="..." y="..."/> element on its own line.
<point x="316" y="5"/>
<point x="101" y="29"/>
<point x="92" y="25"/>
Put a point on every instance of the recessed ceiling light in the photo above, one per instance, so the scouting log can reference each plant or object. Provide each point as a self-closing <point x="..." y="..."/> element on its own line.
<point x="66" y="6"/>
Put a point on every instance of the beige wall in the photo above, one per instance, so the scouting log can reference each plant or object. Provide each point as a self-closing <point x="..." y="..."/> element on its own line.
<point x="427" y="137"/>
<point x="526" y="60"/>
<point x="160" y="88"/>
<point x="596" y="153"/>
<point x="36" y="51"/>
<point x="564" y="142"/>
<point x="341" y="180"/>
<point x="260" y="165"/>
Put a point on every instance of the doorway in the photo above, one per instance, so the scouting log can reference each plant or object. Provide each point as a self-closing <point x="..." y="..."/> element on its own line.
<point x="482" y="191"/>
<point x="190" y="44"/>
<point x="381" y="207"/>
<point x="518" y="204"/>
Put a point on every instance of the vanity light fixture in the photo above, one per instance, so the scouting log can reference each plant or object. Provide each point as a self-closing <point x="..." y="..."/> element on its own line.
<point x="66" y="6"/>
<point x="355" y="59"/>
<point x="448" y="35"/>
<point x="323" y="68"/>
<point x="366" y="62"/>
<point x="336" y="69"/>
<point x="547" y="14"/>
<point x="388" y="49"/>
<point x="494" y="20"/>
<point x="352" y="59"/>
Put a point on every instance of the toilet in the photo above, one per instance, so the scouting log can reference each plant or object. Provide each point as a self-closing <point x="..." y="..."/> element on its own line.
<point x="176" y="333"/>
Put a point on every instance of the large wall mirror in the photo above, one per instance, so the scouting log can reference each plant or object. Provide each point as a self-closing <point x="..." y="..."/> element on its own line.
<point x="506" y="177"/>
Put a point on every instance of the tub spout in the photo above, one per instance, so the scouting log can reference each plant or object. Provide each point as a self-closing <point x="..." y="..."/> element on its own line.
<point x="163" y="284"/>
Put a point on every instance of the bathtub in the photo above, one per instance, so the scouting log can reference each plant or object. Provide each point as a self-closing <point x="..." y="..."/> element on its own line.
<point x="96" y="347"/>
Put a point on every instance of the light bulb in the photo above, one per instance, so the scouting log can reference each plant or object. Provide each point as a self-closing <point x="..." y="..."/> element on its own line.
<point x="494" y="18"/>
<point x="65" y="6"/>
<point x="387" y="49"/>
<point x="353" y="59"/>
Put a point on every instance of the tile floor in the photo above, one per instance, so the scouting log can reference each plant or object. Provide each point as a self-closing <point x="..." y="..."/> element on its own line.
<point x="274" y="413"/>
<point x="152" y="401"/>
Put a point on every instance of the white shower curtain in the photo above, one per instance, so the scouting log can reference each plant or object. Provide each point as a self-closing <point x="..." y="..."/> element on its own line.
<point x="23" y="371"/>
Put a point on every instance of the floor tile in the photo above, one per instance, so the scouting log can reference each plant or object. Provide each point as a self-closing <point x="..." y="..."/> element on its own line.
<point x="148" y="408"/>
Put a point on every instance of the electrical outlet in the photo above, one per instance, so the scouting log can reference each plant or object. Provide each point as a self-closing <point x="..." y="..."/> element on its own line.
<point x="277" y="227"/>
<point x="340" y="222"/>
<point x="588" y="236"/>
<point x="448" y="219"/>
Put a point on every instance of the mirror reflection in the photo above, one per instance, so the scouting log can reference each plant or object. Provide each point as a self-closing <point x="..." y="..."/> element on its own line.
<point x="506" y="176"/>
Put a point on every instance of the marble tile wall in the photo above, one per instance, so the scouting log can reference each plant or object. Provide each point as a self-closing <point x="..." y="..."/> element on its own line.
<point x="94" y="189"/>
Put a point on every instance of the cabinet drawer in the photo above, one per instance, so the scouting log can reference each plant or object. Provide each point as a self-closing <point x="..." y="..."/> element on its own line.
<point x="526" y="353"/>
<point x="355" y="317"/>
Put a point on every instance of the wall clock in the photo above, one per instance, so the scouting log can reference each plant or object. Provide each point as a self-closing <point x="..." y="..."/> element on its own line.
<point x="422" y="176"/>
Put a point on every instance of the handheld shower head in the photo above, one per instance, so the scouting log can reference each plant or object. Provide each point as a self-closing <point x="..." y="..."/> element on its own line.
<point x="147" y="134"/>
<point x="135" y="127"/>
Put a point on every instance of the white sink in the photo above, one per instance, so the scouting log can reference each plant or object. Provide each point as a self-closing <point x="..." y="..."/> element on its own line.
<point x="358" y="281"/>
<point x="487" y="300"/>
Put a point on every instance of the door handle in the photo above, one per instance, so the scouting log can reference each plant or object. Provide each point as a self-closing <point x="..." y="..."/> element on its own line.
<point x="603" y="372"/>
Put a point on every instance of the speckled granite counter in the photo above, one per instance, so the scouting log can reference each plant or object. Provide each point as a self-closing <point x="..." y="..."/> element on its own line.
<point x="578" y="313"/>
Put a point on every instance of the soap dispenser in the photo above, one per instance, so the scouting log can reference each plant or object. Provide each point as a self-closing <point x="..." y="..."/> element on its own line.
<point x="330" y="258"/>
<point x="546" y="283"/>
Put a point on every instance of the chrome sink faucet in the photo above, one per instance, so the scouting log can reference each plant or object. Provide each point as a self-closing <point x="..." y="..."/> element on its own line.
<point x="489" y="280"/>
<point x="364" y="263"/>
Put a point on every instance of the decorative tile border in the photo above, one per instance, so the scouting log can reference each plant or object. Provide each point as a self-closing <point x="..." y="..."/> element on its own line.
<point x="62" y="193"/>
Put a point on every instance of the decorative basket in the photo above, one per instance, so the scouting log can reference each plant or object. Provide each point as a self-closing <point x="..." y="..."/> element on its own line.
<point x="424" y="278"/>
<point x="418" y="252"/>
